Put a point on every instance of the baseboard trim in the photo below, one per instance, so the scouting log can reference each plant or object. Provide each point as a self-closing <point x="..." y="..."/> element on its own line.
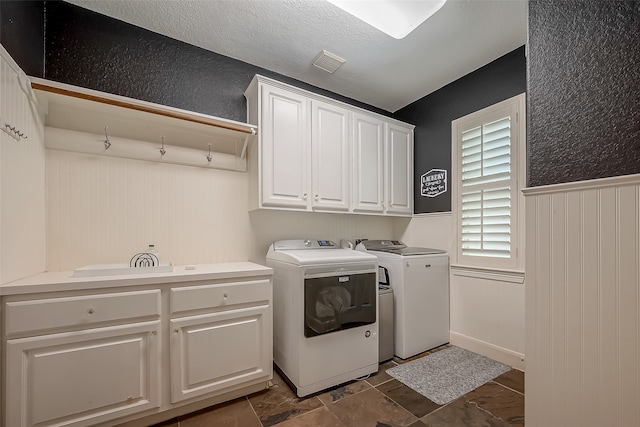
<point x="486" y="349"/>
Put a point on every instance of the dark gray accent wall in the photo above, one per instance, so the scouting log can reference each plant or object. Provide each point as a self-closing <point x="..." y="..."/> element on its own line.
<point x="91" y="50"/>
<point x="584" y="90"/>
<point x="22" y="34"/>
<point x="499" y="80"/>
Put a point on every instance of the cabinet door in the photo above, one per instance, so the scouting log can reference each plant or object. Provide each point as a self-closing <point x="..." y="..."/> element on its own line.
<point x="330" y="157"/>
<point x="284" y="149"/>
<point x="83" y="378"/>
<point x="368" y="154"/>
<point x="220" y="351"/>
<point x="399" y="170"/>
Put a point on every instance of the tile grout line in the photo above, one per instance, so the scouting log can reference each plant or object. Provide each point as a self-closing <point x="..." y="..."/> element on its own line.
<point x="254" y="409"/>
<point x="399" y="405"/>
<point x="508" y="388"/>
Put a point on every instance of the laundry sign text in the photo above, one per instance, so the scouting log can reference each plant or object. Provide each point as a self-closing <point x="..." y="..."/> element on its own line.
<point x="433" y="183"/>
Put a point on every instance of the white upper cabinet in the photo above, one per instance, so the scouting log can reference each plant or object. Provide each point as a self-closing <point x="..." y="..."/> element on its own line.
<point x="383" y="166"/>
<point x="368" y="176"/>
<point x="318" y="154"/>
<point x="284" y="149"/>
<point x="399" y="169"/>
<point x="330" y="156"/>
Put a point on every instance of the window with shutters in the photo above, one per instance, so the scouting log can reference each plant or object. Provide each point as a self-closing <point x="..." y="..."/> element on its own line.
<point x="488" y="170"/>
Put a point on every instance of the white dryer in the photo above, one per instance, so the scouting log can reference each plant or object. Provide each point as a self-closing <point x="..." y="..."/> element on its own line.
<point x="325" y="313"/>
<point x="419" y="278"/>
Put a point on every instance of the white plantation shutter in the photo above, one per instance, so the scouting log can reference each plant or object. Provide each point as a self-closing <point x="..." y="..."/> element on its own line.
<point x="486" y="153"/>
<point x="486" y="172"/>
<point x="486" y="223"/>
<point x="486" y="211"/>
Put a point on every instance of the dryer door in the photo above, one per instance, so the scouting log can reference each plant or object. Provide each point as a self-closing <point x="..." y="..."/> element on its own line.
<point x="335" y="303"/>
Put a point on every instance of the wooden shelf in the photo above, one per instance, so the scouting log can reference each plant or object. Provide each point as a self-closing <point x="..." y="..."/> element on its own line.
<point x="89" y="111"/>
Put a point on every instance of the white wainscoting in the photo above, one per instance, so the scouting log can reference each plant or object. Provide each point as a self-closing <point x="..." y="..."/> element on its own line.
<point x="487" y="317"/>
<point x="583" y="303"/>
<point x="22" y="186"/>
<point x="102" y="210"/>
<point x="487" y="312"/>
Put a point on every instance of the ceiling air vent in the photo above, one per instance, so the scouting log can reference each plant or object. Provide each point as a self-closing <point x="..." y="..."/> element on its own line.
<point x="328" y="61"/>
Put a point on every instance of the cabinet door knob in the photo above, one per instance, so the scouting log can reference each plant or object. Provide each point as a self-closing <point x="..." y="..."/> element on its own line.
<point x="316" y="197"/>
<point x="304" y="196"/>
<point x="175" y="331"/>
<point x="91" y="311"/>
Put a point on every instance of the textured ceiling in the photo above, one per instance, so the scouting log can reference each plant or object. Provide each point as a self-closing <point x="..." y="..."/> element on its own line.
<point x="285" y="36"/>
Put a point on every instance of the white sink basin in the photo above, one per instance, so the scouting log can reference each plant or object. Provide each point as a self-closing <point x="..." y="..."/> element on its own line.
<point x="118" y="269"/>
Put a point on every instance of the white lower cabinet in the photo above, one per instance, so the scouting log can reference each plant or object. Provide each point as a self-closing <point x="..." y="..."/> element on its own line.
<point x="225" y="346"/>
<point x="105" y="357"/>
<point x="83" y="378"/>
<point x="214" y="351"/>
<point x="81" y="359"/>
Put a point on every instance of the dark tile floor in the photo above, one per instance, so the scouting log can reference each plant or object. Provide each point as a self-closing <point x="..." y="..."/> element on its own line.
<point x="378" y="401"/>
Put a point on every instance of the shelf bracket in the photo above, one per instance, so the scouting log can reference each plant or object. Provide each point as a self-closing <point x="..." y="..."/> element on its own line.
<point x="246" y="142"/>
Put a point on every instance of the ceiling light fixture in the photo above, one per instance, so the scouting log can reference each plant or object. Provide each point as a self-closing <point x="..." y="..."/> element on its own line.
<point x="397" y="18"/>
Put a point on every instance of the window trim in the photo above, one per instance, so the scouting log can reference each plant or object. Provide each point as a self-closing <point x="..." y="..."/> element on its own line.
<point x="516" y="107"/>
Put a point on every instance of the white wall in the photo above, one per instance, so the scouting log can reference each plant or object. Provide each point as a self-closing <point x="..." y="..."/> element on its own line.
<point x="583" y="303"/>
<point x="105" y="209"/>
<point x="22" y="187"/>
<point x="487" y="314"/>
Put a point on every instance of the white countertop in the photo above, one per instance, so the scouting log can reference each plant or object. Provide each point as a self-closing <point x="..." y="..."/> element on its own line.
<point x="65" y="280"/>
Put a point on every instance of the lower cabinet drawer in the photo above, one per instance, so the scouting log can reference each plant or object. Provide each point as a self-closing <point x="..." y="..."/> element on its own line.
<point x="83" y="378"/>
<point x="228" y="294"/>
<point x="83" y="310"/>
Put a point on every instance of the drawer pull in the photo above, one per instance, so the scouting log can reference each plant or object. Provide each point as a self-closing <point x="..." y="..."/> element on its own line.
<point x="91" y="311"/>
<point x="225" y="296"/>
<point x="175" y="331"/>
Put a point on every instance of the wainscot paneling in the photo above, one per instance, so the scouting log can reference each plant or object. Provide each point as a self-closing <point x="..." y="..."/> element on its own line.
<point x="22" y="187"/>
<point x="487" y="307"/>
<point x="103" y="210"/>
<point x="583" y="303"/>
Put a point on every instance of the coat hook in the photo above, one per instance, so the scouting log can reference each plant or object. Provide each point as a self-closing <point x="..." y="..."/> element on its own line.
<point x="162" y="150"/>
<point x="107" y="143"/>
<point x="209" y="156"/>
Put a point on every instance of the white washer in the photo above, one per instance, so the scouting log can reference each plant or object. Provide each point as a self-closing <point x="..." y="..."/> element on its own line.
<point x="325" y="312"/>
<point x="419" y="278"/>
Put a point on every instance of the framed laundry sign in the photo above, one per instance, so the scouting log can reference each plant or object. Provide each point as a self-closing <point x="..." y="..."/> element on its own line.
<point x="432" y="189"/>
<point x="433" y="183"/>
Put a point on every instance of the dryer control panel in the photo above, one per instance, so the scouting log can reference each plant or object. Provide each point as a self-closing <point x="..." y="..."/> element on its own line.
<point x="283" y="245"/>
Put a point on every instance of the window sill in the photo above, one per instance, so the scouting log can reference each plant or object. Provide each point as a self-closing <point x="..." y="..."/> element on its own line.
<point x="511" y="276"/>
